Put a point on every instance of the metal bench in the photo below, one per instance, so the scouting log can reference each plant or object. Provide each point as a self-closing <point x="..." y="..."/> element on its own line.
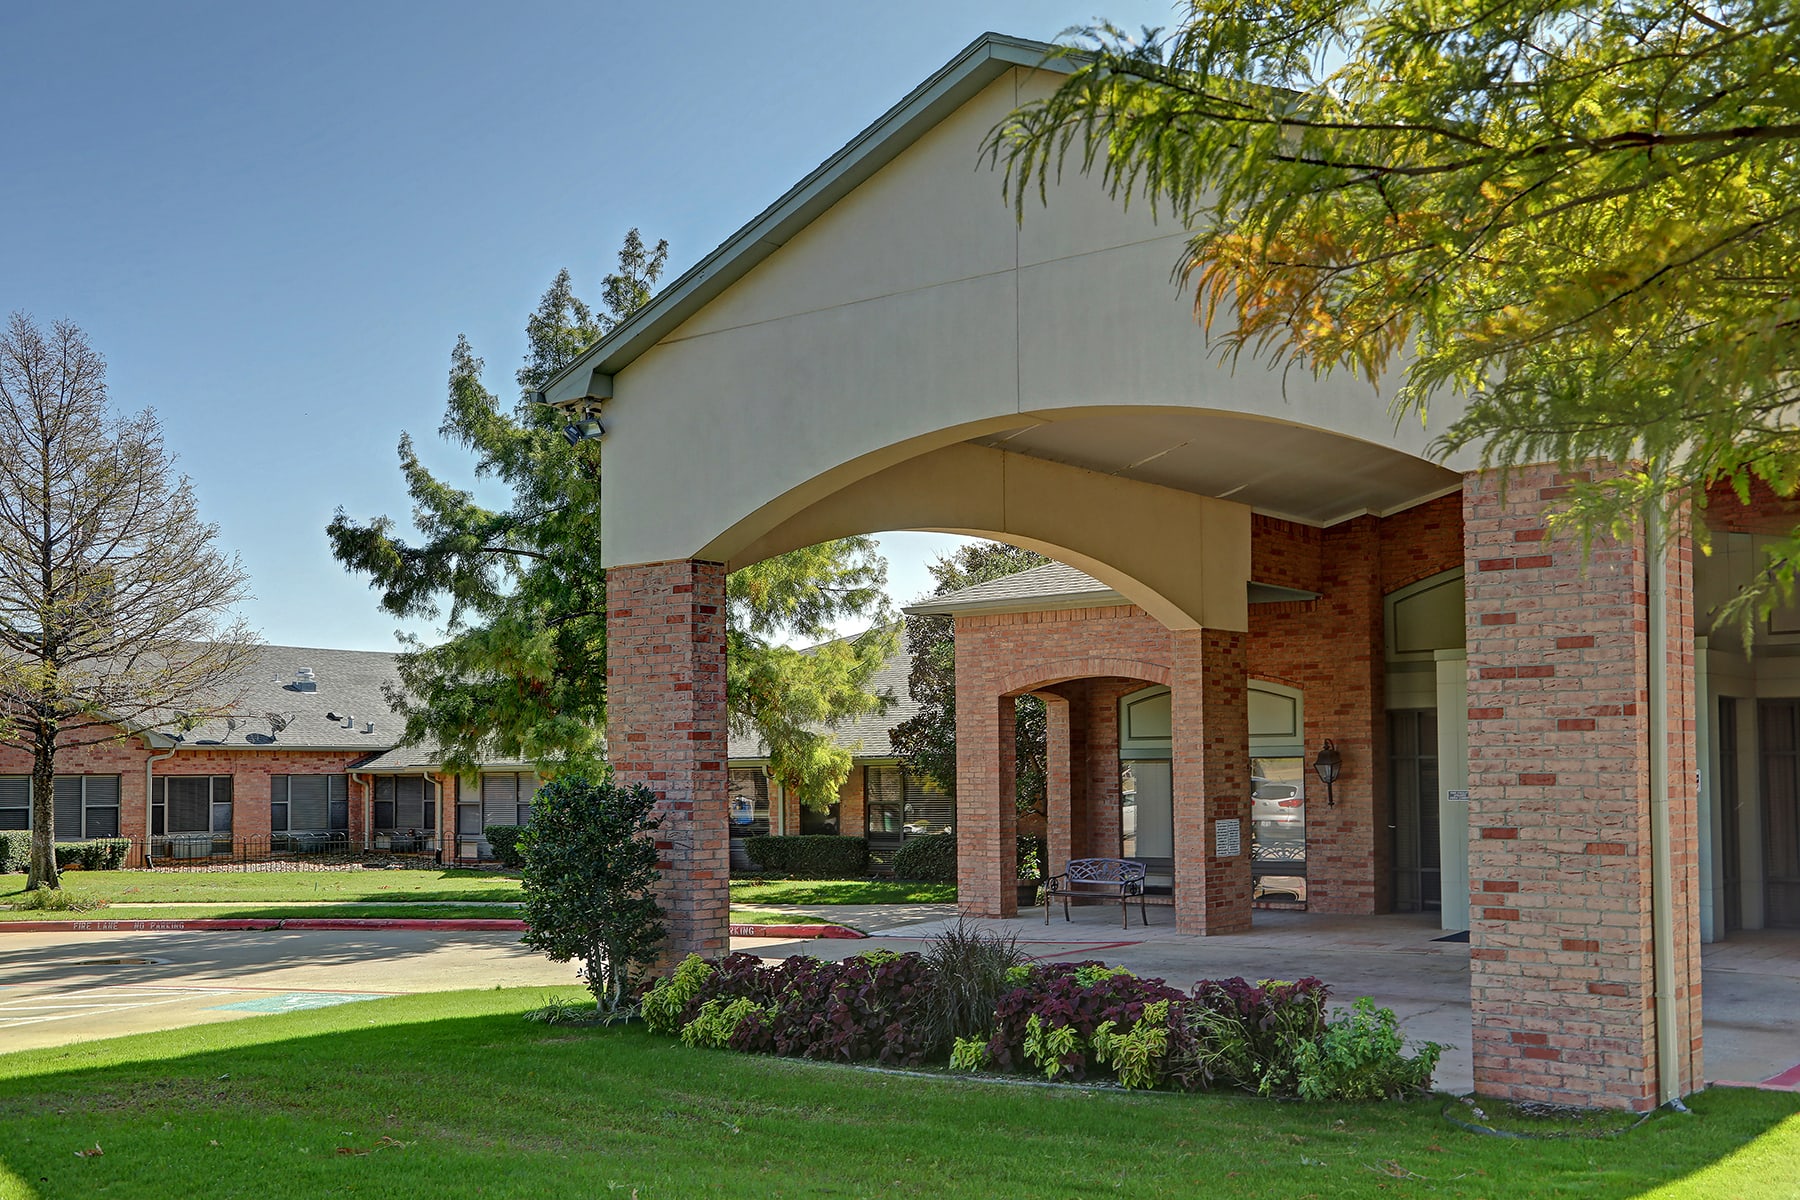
<point x="1105" y="877"/>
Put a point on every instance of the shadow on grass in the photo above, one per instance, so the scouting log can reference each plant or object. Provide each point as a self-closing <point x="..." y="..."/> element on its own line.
<point x="453" y="1094"/>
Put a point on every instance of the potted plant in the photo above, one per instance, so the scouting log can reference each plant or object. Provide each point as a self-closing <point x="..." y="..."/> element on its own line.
<point x="1031" y="870"/>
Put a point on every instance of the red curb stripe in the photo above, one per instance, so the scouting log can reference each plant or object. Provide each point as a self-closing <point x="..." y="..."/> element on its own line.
<point x="143" y="926"/>
<point x="468" y="923"/>
<point x="796" y="931"/>
<point x="260" y="924"/>
<point x="1789" y="1078"/>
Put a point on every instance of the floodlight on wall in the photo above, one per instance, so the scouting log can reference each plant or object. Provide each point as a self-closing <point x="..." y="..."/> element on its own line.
<point x="584" y="426"/>
<point x="1329" y="765"/>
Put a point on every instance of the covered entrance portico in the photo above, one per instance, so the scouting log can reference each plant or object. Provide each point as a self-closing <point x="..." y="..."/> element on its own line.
<point x="886" y="347"/>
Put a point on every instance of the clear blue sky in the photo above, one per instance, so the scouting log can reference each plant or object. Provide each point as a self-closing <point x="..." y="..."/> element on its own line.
<point x="274" y="220"/>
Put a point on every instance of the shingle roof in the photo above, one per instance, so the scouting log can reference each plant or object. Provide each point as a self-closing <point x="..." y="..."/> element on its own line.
<point x="1049" y="586"/>
<point x="336" y="716"/>
<point x="866" y="736"/>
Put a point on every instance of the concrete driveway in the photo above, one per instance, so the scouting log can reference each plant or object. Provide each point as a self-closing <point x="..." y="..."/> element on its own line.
<point x="57" y="988"/>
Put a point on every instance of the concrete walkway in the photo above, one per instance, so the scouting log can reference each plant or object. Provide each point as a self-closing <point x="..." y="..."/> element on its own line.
<point x="1751" y="999"/>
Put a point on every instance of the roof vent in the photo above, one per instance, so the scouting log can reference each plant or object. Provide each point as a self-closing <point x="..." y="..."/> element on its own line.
<point x="304" y="681"/>
<point x="369" y="727"/>
<point x="349" y="721"/>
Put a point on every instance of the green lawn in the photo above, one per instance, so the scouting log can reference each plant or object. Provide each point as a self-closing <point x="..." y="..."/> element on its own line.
<point x="199" y="887"/>
<point x="454" y="1095"/>
<point x="266" y="912"/>
<point x="750" y="916"/>
<point x="840" y="891"/>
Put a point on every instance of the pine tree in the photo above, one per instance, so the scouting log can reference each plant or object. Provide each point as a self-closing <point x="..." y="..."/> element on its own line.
<point x="521" y="670"/>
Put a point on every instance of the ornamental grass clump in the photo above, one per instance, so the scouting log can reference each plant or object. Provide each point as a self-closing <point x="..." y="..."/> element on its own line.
<point x="970" y="969"/>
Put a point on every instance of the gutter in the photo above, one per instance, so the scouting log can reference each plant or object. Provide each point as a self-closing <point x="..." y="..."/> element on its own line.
<point x="1662" y="870"/>
<point x="148" y="788"/>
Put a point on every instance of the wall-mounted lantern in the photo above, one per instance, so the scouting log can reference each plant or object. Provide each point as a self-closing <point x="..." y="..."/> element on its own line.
<point x="1329" y="765"/>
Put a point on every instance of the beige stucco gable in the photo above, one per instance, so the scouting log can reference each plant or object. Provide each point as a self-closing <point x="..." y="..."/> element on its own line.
<point x="917" y="313"/>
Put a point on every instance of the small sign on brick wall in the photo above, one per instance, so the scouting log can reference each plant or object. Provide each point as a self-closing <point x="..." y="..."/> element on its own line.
<point x="1457" y="796"/>
<point x="1228" y="842"/>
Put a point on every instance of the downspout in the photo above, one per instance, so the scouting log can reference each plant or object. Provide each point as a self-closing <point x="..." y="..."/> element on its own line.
<point x="368" y="786"/>
<point x="437" y="791"/>
<point x="1662" y="870"/>
<point x="148" y="787"/>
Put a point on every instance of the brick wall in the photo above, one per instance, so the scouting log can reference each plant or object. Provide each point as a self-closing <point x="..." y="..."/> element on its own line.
<point x="1559" y="771"/>
<point x="666" y="728"/>
<point x="251" y="770"/>
<point x="1330" y="648"/>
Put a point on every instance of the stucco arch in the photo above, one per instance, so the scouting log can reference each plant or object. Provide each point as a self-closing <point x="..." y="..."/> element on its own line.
<point x="1183" y="558"/>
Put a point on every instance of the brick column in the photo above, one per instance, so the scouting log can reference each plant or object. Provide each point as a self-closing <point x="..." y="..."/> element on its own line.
<point x="1562" y="972"/>
<point x="1059" y="781"/>
<point x="1102" y="781"/>
<point x="1349" y="859"/>
<point x="1211" y="748"/>
<point x="987" y="814"/>
<point x="665" y="682"/>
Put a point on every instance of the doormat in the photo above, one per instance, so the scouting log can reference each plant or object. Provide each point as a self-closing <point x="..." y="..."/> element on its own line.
<point x="1453" y="937"/>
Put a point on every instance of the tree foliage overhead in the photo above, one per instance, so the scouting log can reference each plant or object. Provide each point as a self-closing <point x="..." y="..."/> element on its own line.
<point x="926" y="742"/>
<point x="1580" y="218"/>
<point x="521" y="670"/>
<point x="116" y="607"/>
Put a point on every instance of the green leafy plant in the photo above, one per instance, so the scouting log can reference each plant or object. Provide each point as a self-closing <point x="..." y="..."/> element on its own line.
<point x="1136" y="1055"/>
<point x="1361" y="1056"/>
<point x="48" y="899"/>
<point x="1050" y="1047"/>
<point x="559" y="1010"/>
<point x="969" y="1054"/>
<point x="662" y="1006"/>
<point x="810" y="856"/>
<point x="718" y="1021"/>
<point x="590" y="867"/>
<point x="504" y="839"/>
<point x="1090" y="974"/>
<point x="931" y="859"/>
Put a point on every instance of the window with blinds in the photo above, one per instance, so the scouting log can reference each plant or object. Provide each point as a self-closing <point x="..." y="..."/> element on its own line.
<point x="404" y="803"/>
<point x="15" y="802"/>
<point x="506" y="798"/>
<point x="85" y="806"/>
<point x="309" y="803"/>
<point x="899" y="806"/>
<point x="190" y="804"/>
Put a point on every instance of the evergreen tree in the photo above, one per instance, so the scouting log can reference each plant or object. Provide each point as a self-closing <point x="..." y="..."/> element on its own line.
<point x="1575" y="215"/>
<point x="521" y="670"/>
<point x="927" y="742"/>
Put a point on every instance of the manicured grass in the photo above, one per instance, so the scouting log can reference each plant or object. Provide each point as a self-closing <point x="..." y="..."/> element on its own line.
<point x="454" y="1095"/>
<point x="199" y="887"/>
<point x="751" y="916"/>
<point x="840" y="891"/>
<point x="190" y="912"/>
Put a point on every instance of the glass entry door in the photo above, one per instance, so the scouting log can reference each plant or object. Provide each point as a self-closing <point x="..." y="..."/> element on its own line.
<point x="1147" y="819"/>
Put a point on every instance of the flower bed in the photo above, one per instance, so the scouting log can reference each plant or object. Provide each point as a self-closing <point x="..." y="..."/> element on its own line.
<point x="1063" y="1021"/>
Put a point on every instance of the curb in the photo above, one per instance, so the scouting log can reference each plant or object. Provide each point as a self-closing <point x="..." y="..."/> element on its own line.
<point x="797" y="931"/>
<point x="262" y="924"/>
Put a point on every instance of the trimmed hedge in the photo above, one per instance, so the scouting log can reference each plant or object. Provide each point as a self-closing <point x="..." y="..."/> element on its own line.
<point x="933" y="859"/>
<point x="929" y="859"/>
<point x="811" y="855"/>
<point x="505" y="842"/>
<point x="101" y="854"/>
<point x="15" y="850"/>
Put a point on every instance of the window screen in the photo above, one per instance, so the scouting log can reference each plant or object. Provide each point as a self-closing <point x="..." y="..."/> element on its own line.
<point x="15" y="802"/>
<point x="400" y="803"/>
<point x="506" y="799"/>
<point x="310" y="803"/>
